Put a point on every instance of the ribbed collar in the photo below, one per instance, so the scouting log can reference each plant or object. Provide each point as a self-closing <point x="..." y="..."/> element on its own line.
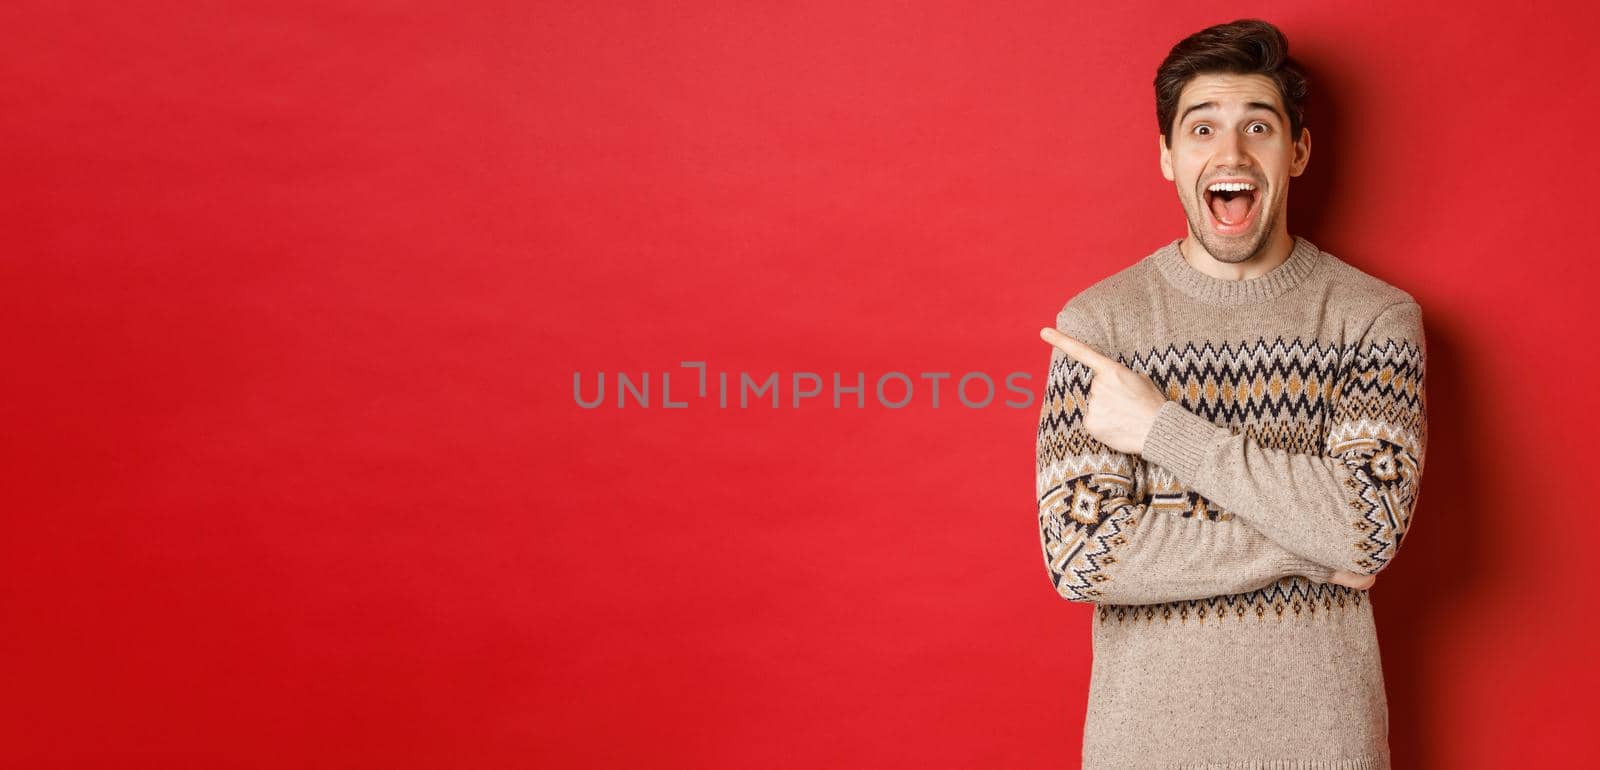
<point x="1303" y="260"/>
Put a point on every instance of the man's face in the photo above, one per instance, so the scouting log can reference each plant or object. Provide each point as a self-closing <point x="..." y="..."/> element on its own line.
<point x="1233" y="128"/>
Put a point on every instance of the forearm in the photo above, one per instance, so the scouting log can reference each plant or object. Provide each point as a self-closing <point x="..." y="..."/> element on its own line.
<point x="1142" y="556"/>
<point x="1348" y="511"/>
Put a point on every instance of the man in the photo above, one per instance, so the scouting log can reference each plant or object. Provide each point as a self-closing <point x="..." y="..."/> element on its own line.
<point x="1230" y="449"/>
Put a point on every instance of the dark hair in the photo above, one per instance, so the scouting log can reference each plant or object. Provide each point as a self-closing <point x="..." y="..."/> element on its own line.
<point x="1241" y="47"/>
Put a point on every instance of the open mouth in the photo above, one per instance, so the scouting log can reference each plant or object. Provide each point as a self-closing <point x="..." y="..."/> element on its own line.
<point x="1232" y="206"/>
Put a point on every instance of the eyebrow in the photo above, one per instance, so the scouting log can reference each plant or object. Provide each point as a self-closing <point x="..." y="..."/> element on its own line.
<point x="1269" y="107"/>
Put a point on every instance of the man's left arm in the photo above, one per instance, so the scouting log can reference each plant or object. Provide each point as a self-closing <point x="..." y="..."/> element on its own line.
<point x="1348" y="508"/>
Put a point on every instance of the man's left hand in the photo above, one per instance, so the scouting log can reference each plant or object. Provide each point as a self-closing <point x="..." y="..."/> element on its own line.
<point x="1122" y="402"/>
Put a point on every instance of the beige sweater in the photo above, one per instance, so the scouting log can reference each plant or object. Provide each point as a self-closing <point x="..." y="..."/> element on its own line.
<point x="1291" y="444"/>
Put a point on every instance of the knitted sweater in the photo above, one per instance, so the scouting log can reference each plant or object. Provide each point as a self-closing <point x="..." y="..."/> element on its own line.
<point x="1291" y="444"/>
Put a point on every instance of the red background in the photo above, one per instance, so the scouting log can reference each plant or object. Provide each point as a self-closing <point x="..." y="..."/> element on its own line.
<point x="294" y="294"/>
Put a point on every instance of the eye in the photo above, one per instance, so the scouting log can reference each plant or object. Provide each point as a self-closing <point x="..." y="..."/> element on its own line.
<point x="1264" y="126"/>
<point x="1207" y="128"/>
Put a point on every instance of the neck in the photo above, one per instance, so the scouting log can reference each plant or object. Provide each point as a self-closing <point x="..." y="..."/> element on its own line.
<point x="1275" y="252"/>
<point x="1303" y="259"/>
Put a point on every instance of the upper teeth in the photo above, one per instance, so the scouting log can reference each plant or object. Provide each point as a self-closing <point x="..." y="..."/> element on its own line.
<point x="1231" y="186"/>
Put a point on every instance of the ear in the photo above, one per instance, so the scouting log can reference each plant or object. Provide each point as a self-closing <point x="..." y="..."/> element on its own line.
<point x="1302" y="152"/>
<point x="1166" y="157"/>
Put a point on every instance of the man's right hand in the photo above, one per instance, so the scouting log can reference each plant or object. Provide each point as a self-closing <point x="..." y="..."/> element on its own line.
<point x="1353" y="580"/>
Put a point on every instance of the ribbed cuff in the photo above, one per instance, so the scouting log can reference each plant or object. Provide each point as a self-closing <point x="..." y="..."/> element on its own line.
<point x="1179" y="441"/>
<point x="1377" y="762"/>
<point x="1296" y="565"/>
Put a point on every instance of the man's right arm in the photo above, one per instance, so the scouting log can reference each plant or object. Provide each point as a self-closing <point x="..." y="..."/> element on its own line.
<point x="1103" y="545"/>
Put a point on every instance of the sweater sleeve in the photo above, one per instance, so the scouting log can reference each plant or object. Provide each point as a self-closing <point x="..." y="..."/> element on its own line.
<point x="1102" y="540"/>
<point x="1348" y="507"/>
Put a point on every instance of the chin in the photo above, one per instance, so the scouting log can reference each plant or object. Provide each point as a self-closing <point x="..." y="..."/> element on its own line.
<point x="1236" y="249"/>
<point x="1230" y="248"/>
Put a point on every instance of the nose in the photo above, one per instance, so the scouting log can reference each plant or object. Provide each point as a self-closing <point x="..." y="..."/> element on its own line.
<point x="1230" y="151"/>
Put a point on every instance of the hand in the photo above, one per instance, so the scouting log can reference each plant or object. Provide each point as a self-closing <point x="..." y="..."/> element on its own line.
<point x="1122" y="403"/>
<point x="1353" y="580"/>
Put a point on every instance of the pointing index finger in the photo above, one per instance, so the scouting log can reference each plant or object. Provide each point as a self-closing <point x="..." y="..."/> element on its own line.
<point x="1078" y="350"/>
